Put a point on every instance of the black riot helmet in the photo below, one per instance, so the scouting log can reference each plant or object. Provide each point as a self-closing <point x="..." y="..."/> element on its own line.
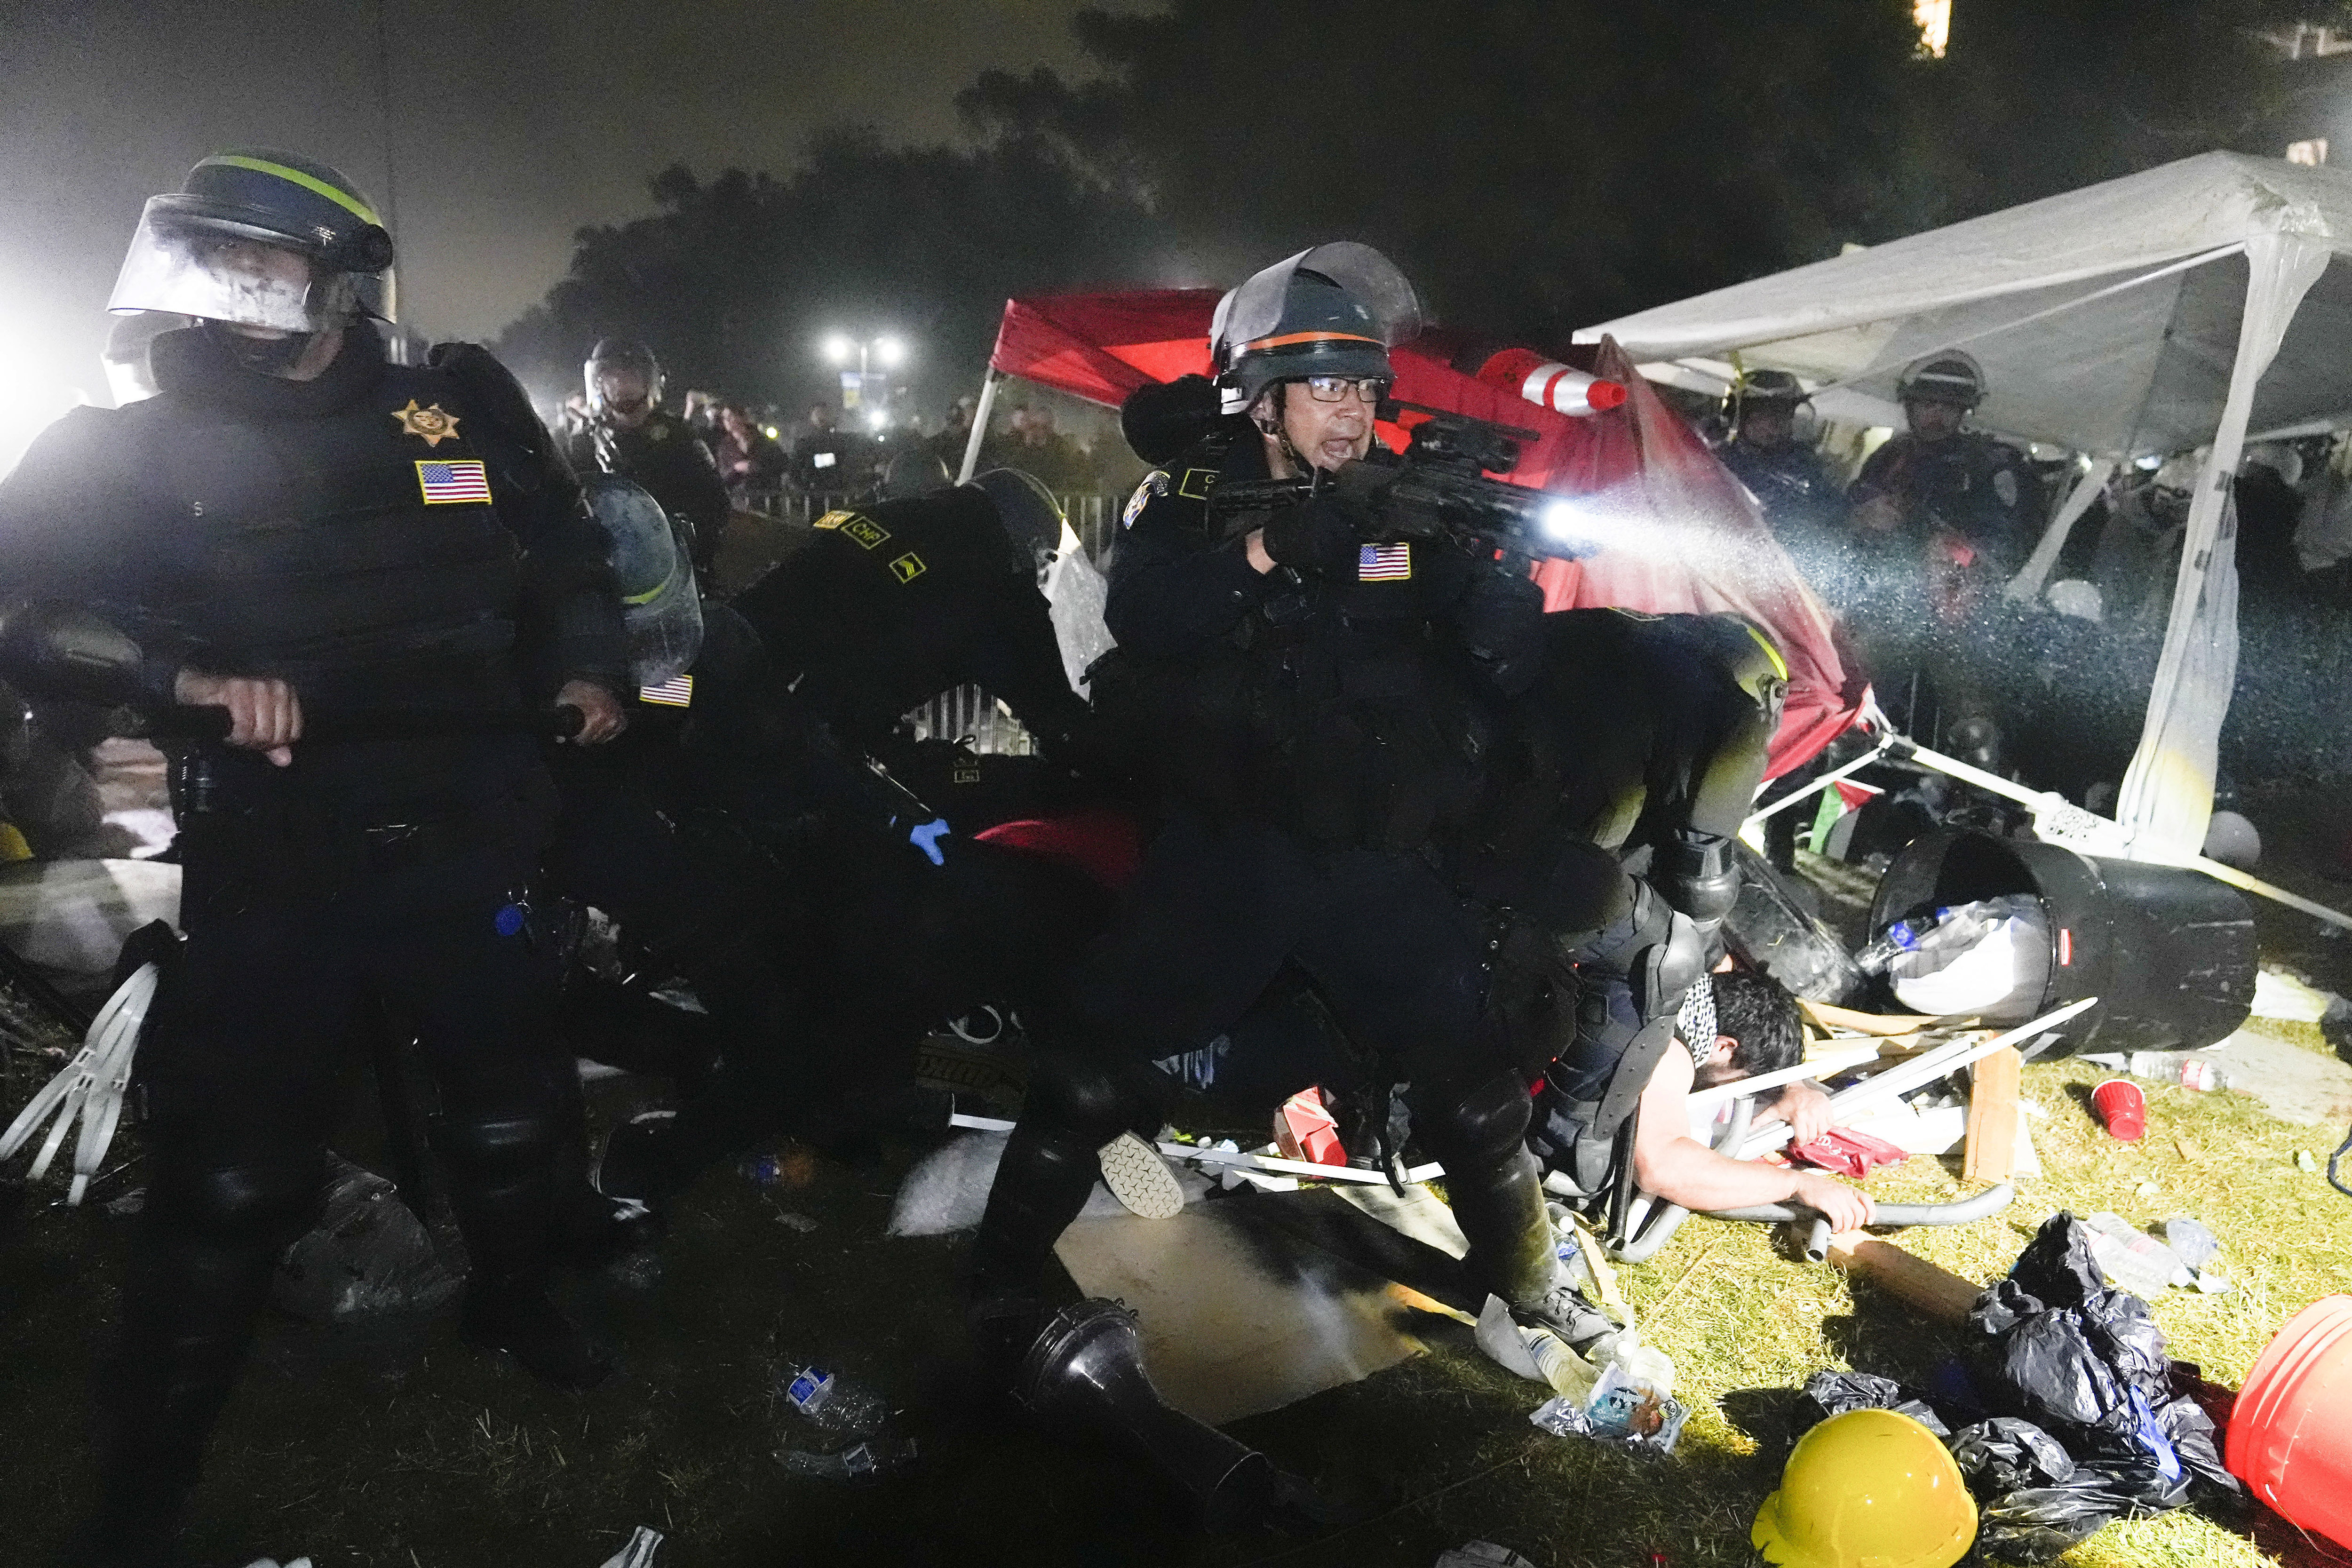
<point x="1032" y="518"/>
<point x="1334" y="310"/>
<point x="1762" y="389"/>
<point x="624" y="355"/>
<point x="1950" y="376"/>
<point x="192" y="254"/>
<point x="914" y="472"/>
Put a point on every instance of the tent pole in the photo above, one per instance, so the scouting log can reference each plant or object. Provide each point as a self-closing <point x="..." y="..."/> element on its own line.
<point x="2167" y="801"/>
<point x="979" y="426"/>
<point x="2036" y="571"/>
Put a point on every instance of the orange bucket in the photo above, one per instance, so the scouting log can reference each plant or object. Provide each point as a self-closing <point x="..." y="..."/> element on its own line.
<point x="2290" y="1438"/>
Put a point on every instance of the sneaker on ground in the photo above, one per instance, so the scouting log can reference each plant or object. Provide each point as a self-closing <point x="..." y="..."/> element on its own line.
<point x="1566" y="1313"/>
<point x="1137" y="1177"/>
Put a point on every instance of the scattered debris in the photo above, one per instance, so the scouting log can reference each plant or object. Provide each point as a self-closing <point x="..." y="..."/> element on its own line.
<point x="637" y="1553"/>
<point x="367" y="1255"/>
<point x="862" y="1460"/>
<point x="1482" y="1554"/>
<point x="831" y="1402"/>
<point x="1625" y="1410"/>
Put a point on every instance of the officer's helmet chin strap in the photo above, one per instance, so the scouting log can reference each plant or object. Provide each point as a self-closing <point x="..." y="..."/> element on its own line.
<point x="1276" y="427"/>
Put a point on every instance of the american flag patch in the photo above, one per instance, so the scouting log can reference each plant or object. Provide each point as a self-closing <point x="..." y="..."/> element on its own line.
<point x="446" y="483"/>
<point x="678" y="691"/>
<point x="1384" y="563"/>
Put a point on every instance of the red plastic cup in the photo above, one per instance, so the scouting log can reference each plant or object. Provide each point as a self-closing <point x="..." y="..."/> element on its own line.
<point x="2122" y="1108"/>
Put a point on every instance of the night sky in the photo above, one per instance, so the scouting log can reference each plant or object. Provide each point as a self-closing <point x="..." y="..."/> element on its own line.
<point x="514" y="122"/>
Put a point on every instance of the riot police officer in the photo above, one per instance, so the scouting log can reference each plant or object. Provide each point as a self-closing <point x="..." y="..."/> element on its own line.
<point x="1939" y="478"/>
<point x="295" y="526"/>
<point x="1942" y="517"/>
<point x="876" y="611"/>
<point x="628" y="433"/>
<point x="1799" y="498"/>
<point x="1320" y="692"/>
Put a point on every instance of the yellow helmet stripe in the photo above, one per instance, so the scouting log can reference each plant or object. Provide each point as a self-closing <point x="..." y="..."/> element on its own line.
<point x="342" y="199"/>
<point x="1780" y="664"/>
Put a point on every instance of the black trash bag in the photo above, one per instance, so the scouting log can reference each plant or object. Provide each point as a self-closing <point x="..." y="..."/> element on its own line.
<point x="367" y="1255"/>
<point x="2195" y="1441"/>
<point x="2006" y="1455"/>
<point x="2087" y="1365"/>
<point x="2035" y="1524"/>
<point x="1829" y="1393"/>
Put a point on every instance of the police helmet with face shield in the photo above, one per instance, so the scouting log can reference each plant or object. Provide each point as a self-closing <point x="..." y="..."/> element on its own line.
<point x="1333" y="311"/>
<point x="660" y="609"/>
<point x="620" y="356"/>
<point x="194" y="252"/>
<point x="1950" y="377"/>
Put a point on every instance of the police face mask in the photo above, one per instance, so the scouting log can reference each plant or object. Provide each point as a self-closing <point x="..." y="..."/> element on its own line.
<point x="268" y="356"/>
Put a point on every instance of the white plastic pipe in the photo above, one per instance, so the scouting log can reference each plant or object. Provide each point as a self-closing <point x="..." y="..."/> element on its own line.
<point x="1911" y="1075"/>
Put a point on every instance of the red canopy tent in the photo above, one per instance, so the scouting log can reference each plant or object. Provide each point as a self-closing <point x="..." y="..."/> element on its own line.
<point x="1683" y="535"/>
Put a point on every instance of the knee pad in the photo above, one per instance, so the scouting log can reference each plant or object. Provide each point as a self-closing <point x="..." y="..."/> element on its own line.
<point x="1473" y="1124"/>
<point x="498" y="1145"/>
<point x="1695" y="872"/>
<point x="1667" y="969"/>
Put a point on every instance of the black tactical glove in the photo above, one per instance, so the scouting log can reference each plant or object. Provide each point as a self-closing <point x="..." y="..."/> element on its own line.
<point x="1318" y="535"/>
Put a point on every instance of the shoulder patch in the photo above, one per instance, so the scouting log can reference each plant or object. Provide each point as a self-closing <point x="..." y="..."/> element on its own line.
<point x="855" y="525"/>
<point x="908" y="567"/>
<point x="1197" y="483"/>
<point x="2004" y="485"/>
<point x="1155" y="483"/>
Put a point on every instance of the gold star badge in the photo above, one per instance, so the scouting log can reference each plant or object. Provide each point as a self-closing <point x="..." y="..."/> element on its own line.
<point x="431" y="423"/>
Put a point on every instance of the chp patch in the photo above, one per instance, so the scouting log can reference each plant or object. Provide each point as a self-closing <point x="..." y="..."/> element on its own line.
<point x="452" y="483"/>
<point x="1384" y="563"/>
<point x="855" y="525"/>
<point x="1155" y="483"/>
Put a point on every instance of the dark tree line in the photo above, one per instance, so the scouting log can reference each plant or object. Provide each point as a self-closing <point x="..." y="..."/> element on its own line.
<point x="1536" y="165"/>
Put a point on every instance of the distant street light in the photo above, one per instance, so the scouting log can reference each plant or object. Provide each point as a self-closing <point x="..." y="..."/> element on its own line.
<point x="888" y="350"/>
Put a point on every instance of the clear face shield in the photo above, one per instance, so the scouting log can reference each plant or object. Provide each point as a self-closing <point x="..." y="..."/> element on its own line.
<point x="220" y="270"/>
<point x="660" y="609"/>
<point x="619" y="388"/>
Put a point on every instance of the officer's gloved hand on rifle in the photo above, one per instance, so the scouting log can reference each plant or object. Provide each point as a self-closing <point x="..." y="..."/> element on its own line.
<point x="1318" y="535"/>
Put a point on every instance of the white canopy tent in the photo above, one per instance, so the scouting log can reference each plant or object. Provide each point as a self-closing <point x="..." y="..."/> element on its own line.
<point x="2200" y="304"/>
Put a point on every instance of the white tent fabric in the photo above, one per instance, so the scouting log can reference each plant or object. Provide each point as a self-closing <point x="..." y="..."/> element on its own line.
<point x="2172" y="310"/>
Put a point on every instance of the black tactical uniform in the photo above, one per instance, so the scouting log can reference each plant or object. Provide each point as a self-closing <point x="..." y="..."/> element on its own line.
<point x="876" y="611"/>
<point x="1968" y="484"/>
<point x="1607" y="858"/>
<point x="1318" y="730"/>
<point x="665" y="455"/>
<point x="377" y="535"/>
<point x="1801" y="500"/>
<point x="879" y="609"/>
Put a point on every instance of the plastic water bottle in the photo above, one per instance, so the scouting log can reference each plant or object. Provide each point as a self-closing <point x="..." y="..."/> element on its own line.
<point x="1568" y="1372"/>
<point x="2172" y="1067"/>
<point x="1903" y="936"/>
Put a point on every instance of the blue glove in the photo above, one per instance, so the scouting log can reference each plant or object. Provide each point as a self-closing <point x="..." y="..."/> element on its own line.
<point x="927" y="838"/>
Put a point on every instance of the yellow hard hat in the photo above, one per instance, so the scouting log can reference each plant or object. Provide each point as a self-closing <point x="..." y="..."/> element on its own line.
<point x="1867" y="1489"/>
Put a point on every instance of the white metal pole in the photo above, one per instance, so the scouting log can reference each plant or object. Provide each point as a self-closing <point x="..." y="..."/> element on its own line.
<point x="978" y="428"/>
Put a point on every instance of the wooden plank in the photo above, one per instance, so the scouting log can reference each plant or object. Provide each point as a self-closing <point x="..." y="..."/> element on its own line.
<point x="1939" y="1293"/>
<point x="1992" y="1151"/>
<point x="1830" y="1017"/>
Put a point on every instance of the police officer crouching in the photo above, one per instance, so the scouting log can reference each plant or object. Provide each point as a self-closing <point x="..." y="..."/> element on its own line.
<point x="296" y="527"/>
<point x="1320" y="693"/>
<point x="629" y="434"/>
